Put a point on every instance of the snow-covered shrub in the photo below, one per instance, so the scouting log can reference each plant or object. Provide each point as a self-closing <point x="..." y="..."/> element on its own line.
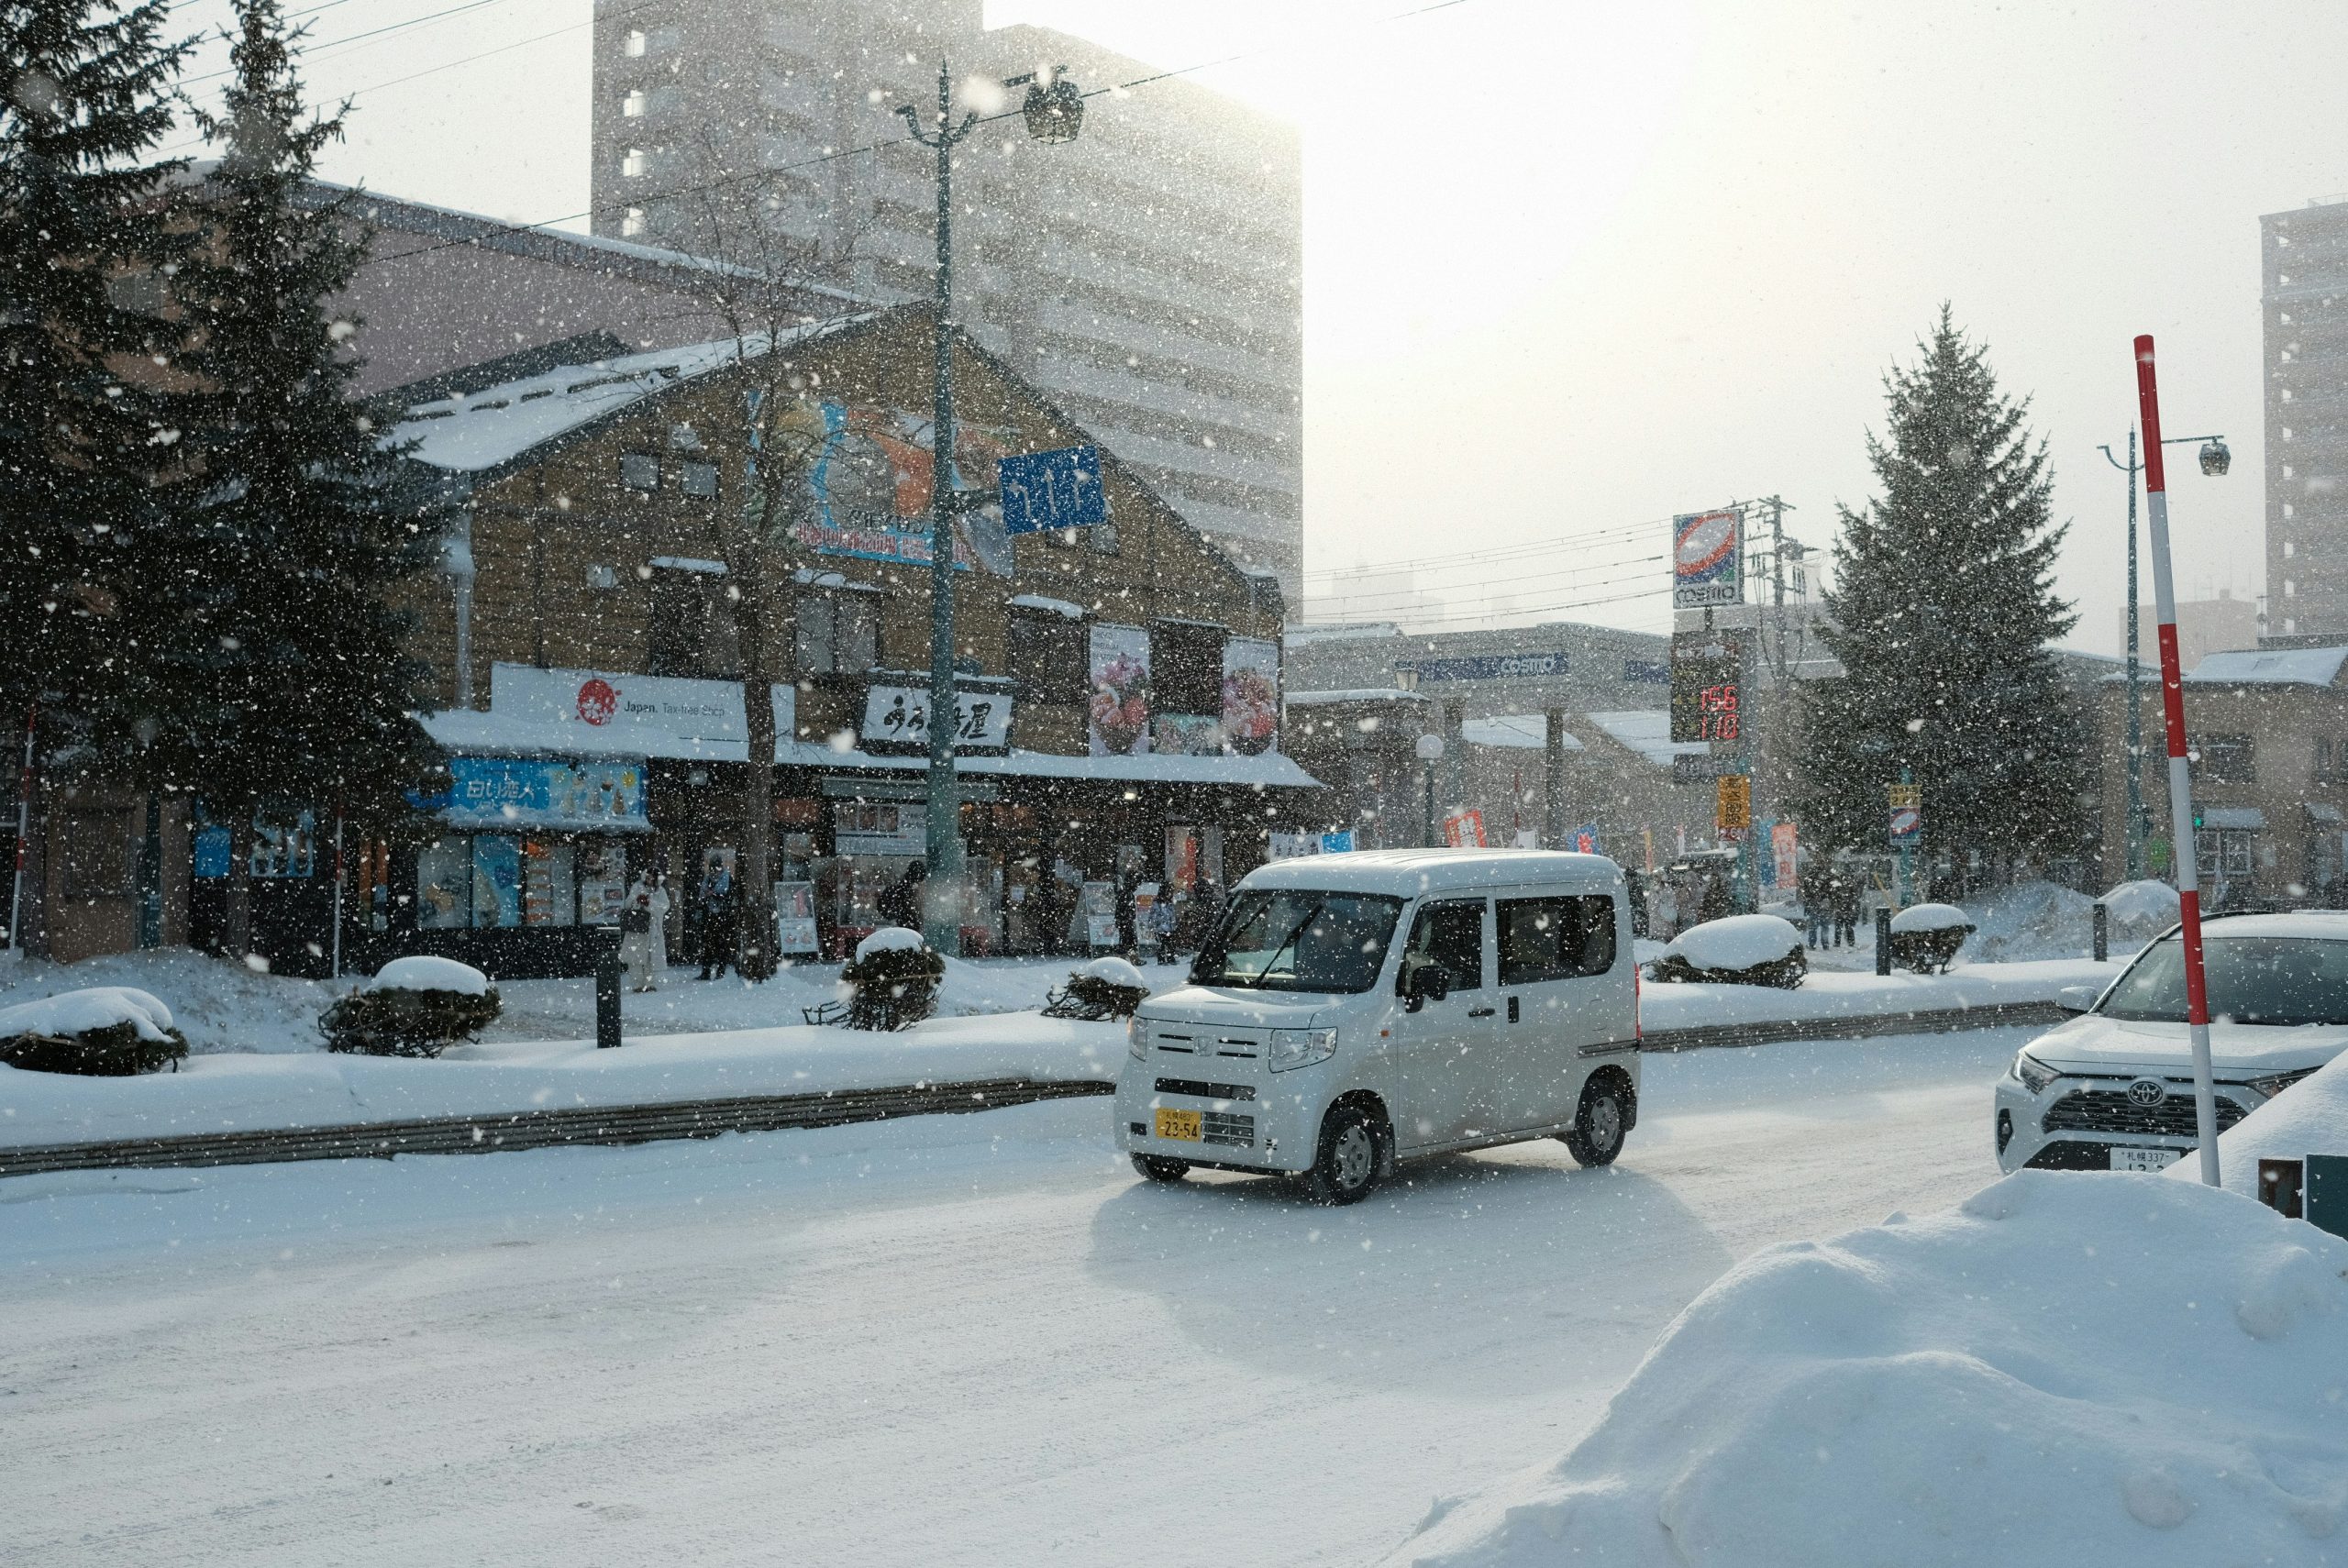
<point x="1742" y="950"/>
<point x="1105" y="988"/>
<point x="2138" y="912"/>
<point x="892" y="981"/>
<point x="1925" y="937"/>
<point x="107" y="1031"/>
<point x="414" y="1007"/>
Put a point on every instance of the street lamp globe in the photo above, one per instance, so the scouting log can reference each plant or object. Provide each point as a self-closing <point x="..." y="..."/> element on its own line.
<point x="2215" y="458"/>
<point x="1053" y="113"/>
<point x="1430" y="747"/>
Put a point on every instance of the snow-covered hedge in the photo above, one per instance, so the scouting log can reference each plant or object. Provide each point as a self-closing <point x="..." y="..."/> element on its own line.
<point x="417" y="1006"/>
<point x="1925" y="937"/>
<point x="109" y="1031"/>
<point x="1741" y="950"/>
<point x="892" y="981"/>
<point x="1105" y="988"/>
<point x="2138" y="912"/>
<point x="2065" y="1370"/>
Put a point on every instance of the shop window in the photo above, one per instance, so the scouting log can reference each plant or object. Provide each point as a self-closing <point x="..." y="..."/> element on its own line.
<point x="1048" y="657"/>
<point x="838" y="633"/>
<point x="2227" y="759"/>
<point x="1556" y="939"/>
<point x="641" y="471"/>
<point x="496" y="881"/>
<point x="693" y="631"/>
<point x="1185" y="667"/>
<point x="697" y="478"/>
<point x="97" y="854"/>
<point x="444" y="884"/>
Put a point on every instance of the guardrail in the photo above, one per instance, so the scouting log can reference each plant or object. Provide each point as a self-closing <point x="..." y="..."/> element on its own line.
<point x="587" y="1126"/>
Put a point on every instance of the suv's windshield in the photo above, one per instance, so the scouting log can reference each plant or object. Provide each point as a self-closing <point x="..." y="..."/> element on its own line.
<point x="1296" y="940"/>
<point x="2279" y="981"/>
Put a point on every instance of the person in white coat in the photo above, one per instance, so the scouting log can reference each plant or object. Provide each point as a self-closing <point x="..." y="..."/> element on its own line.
<point x="644" y="943"/>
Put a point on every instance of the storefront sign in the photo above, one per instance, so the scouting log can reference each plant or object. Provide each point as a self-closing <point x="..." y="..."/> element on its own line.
<point x="602" y="711"/>
<point x="896" y="719"/>
<point x="1488" y="667"/>
<point x="1707" y="559"/>
<point x="878" y="827"/>
<point x="537" y="792"/>
<point x="1251" y="696"/>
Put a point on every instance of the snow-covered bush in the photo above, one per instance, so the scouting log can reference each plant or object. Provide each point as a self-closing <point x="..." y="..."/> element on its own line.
<point x="1105" y="988"/>
<point x="414" y="1007"/>
<point x="892" y="981"/>
<point x="2138" y="912"/>
<point x="1925" y="937"/>
<point x="108" y="1032"/>
<point x="1742" y="950"/>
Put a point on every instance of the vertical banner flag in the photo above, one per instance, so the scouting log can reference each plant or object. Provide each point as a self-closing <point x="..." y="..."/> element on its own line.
<point x="1785" y="853"/>
<point x="1707" y="559"/>
<point x="1733" y="810"/>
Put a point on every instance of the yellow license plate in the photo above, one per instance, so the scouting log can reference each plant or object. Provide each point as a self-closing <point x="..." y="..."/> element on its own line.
<point x="1182" y="1125"/>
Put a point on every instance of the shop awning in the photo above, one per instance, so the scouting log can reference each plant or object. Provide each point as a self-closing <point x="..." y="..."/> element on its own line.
<point x="2232" y="817"/>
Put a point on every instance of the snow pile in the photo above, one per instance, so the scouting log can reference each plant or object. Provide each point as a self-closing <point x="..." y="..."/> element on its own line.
<point x="421" y="972"/>
<point x="2308" y="1118"/>
<point x="2139" y="911"/>
<point x="1929" y="917"/>
<point x="2029" y="921"/>
<point x="2066" y="1369"/>
<point x="1115" y="972"/>
<point x="79" y="1013"/>
<point x="888" y="939"/>
<point x="1739" y="942"/>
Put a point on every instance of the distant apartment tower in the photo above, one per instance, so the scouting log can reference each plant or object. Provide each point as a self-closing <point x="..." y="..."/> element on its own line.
<point x="1146" y="275"/>
<point x="2304" y="255"/>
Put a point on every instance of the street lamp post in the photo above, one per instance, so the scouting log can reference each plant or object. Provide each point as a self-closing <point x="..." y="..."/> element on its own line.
<point x="2216" y="458"/>
<point x="1429" y="749"/>
<point x="1054" y="114"/>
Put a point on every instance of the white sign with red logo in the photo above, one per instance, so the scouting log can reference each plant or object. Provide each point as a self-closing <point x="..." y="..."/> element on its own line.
<point x="660" y="715"/>
<point x="1707" y="558"/>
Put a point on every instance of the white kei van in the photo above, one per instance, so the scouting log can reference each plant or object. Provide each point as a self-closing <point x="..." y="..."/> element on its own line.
<point x="1355" y="1010"/>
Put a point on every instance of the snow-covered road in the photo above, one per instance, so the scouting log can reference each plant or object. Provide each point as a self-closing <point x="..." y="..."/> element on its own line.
<point x="968" y="1340"/>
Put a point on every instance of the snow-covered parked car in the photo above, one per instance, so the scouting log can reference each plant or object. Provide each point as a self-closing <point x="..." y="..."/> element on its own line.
<point x="2112" y="1088"/>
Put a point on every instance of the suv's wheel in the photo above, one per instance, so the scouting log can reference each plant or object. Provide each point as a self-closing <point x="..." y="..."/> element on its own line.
<point x="1596" y="1135"/>
<point x="1157" y="1167"/>
<point x="1346" y="1166"/>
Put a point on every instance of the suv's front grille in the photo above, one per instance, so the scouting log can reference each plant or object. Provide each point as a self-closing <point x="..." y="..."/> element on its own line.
<point x="1223" y="1127"/>
<point x="1206" y="1090"/>
<point x="2111" y="1111"/>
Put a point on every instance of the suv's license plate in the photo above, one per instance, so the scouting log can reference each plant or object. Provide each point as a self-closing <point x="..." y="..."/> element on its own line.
<point x="1182" y="1125"/>
<point x="2131" y="1159"/>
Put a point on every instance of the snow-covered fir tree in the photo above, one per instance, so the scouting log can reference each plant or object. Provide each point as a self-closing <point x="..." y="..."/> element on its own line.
<point x="1943" y="615"/>
<point x="287" y="680"/>
<point x="88" y="242"/>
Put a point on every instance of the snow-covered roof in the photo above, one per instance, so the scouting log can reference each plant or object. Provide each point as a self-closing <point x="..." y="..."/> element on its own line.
<point x="2268" y="666"/>
<point x="1362" y="694"/>
<point x="808" y="577"/>
<point x="1646" y="730"/>
<point x="1049" y="604"/>
<point x="497" y="425"/>
<point x="1527" y="730"/>
<point x="1351" y="631"/>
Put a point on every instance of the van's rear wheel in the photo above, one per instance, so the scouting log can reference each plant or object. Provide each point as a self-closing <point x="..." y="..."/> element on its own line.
<point x="1599" y="1124"/>
<point x="1346" y="1165"/>
<point x="1157" y="1167"/>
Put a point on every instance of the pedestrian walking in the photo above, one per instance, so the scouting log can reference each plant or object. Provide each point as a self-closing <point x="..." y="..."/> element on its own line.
<point x="900" y="902"/>
<point x="1846" y="912"/>
<point x="644" y="940"/>
<point x="1818" y="908"/>
<point x="721" y="923"/>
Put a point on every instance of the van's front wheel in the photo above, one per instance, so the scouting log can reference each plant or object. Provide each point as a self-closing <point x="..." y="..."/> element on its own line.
<point x="1157" y="1167"/>
<point x="1345" y="1167"/>
<point x="1599" y="1124"/>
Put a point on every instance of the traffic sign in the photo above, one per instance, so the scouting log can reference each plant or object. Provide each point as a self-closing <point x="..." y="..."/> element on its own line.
<point x="1046" y="491"/>
<point x="1733" y="812"/>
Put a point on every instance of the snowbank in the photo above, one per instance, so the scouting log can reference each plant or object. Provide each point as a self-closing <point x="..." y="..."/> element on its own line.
<point x="1929" y="917"/>
<point x="2066" y="1369"/>
<point x="427" y="974"/>
<point x="78" y="1012"/>
<point x="2028" y="921"/>
<point x="889" y="939"/>
<point x="2308" y="1118"/>
<point x="1842" y="993"/>
<point x="1739" y="942"/>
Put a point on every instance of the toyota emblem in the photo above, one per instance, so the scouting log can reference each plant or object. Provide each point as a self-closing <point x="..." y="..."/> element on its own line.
<point x="2147" y="1092"/>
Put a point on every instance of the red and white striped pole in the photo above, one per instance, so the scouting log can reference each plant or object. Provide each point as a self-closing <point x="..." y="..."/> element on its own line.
<point x="2184" y="855"/>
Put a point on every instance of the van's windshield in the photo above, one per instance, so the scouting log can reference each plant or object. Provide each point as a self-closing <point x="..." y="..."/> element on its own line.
<point x="1297" y="939"/>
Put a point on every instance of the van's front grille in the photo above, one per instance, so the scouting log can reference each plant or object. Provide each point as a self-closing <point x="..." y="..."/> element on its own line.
<point x="1223" y="1127"/>
<point x="2111" y="1111"/>
<point x="1206" y="1090"/>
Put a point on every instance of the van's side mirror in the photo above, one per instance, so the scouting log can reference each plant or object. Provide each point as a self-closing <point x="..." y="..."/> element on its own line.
<point x="1424" y="982"/>
<point x="2077" y="998"/>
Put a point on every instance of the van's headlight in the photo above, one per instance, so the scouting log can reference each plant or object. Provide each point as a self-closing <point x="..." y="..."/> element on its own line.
<point x="2034" y="1074"/>
<point x="1302" y="1047"/>
<point x="1136" y="1038"/>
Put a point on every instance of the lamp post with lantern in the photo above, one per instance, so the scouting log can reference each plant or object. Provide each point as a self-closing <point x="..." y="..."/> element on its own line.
<point x="1429" y="749"/>
<point x="2216" y="458"/>
<point x="1054" y="111"/>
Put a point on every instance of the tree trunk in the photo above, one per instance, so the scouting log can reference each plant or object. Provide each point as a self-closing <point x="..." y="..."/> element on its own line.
<point x="756" y="959"/>
<point x="237" y="936"/>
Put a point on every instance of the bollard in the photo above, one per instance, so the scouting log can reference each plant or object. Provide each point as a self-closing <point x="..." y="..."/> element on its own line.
<point x="607" y="991"/>
<point x="2102" y="934"/>
<point x="1883" y="942"/>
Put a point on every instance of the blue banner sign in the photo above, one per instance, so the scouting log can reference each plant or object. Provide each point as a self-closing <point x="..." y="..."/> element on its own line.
<point x="1045" y="492"/>
<point x="1489" y="666"/>
<point x="526" y="792"/>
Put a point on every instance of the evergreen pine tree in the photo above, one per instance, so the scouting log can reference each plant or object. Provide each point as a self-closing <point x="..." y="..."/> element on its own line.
<point x="1944" y="614"/>
<point x="288" y="683"/>
<point x="89" y="237"/>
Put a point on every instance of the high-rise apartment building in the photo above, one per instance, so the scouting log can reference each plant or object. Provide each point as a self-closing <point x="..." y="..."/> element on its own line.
<point x="1146" y="275"/>
<point x="2304" y="296"/>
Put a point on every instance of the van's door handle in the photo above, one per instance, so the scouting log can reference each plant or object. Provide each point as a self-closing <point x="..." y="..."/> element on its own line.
<point x="1479" y="1012"/>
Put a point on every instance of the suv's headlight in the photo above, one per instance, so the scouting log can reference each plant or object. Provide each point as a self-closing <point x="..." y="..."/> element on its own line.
<point x="1137" y="1037"/>
<point x="2034" y="1074"/>
<point x="1302" y="1047"/>
<point x="2272" y="1085"/>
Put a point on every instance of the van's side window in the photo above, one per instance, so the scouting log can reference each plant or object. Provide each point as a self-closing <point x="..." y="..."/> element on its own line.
<point x="1451" y="935"/>
<point x="1555" y="938"/>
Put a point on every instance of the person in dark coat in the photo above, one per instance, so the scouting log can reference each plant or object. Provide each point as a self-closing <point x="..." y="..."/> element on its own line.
<point x="900" y="902"/>
<point x="1846" y="912"/>
<point x="721" y="923"/>
<point x="1128" y="940"/>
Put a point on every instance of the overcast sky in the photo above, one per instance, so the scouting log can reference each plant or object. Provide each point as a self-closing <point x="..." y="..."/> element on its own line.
<point x="1572" y="267"/>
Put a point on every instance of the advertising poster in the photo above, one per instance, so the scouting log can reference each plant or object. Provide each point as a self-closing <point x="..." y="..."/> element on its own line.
<point x="284" y="849"/>
<point x="1785" y="853"/>
<point x="1707" y="559"/>
<point x="794" y="917"/>
<point x="1181" y="857"/>
<point x="1464" y="830"/>
<point x="1251" y="696"/>
<point x="1097" y="906"/>
<point x="497" y="881"/>
<point x="869" y="473"/>
<point x="1120" y="684"/>
<point x="511" y="791"/>
<point x="1186" y="735"/>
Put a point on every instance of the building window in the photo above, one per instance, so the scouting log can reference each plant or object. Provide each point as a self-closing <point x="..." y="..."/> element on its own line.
<point x="1049" y="656"/>
<point x="495" y="882"/>
<point x="97" y="854"/>
<point x="633" y="163"/>
<point x="2227" y="759"/>
<point x="697" y="478"/>
<point x="632" y="107"/>
<point x="640" y="470"/>
<point x="1185" y="667"/>
<point x="633" y="45"/>
<point x="838" y="633"/>
<point x="693" y="630"/>
<point x="140" y="293"/>
<point x="631" y="223"/>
